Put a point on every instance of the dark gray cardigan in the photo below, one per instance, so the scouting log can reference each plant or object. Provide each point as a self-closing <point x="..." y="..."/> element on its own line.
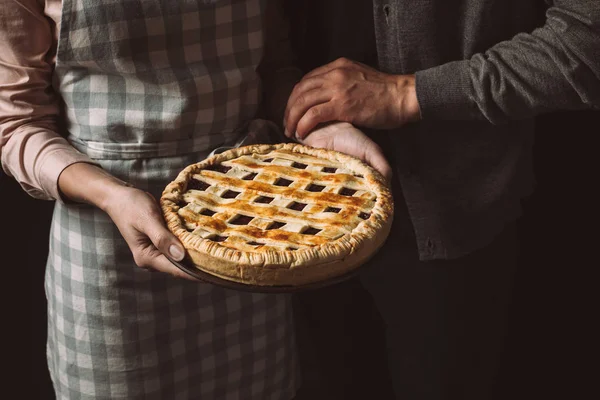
<point x="484" y="69"/>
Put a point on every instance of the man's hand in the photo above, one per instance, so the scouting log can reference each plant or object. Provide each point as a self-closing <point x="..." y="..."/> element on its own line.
<point x="348" y="91"/>
<point x="345" y="138"/>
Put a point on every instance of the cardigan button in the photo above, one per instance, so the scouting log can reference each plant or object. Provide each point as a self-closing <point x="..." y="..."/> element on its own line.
<point x="387" y="10"/>
<point x="430" y="246"/>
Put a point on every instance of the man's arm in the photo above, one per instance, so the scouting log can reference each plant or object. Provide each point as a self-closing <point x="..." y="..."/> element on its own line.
<point x="555" y="67"/>
<point x="280" y="73"/>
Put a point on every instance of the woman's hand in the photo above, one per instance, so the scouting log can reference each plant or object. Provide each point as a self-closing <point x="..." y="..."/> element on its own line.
<point x="345" y="138"/>
<point x="135" y="213"/>
<point x="139" y="219"/>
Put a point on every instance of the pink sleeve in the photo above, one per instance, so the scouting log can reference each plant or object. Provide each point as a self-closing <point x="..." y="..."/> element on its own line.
<point x="31" y="150"/>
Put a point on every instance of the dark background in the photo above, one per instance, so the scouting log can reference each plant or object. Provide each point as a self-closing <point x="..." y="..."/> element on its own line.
<point x="550" y="336"/>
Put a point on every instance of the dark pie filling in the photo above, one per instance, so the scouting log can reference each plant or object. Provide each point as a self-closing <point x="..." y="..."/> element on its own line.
<point x="264" y="199"/>
<point x="218" y="168"/>
<point x="311" y="231"/>
<point x="283" y="182"/>
<point x="315" y="188"/>
<point x="230" y="194"/>
<point x="207" y="212"/>
<point x="299" y="165"/>
<point x="195" y="184"/>
<point x="297" y="206"/>
<point x="250" y="176"/>
<point x="241" y="220"/>
<point x="347" y="191"/>
<point x="276" y="225"/>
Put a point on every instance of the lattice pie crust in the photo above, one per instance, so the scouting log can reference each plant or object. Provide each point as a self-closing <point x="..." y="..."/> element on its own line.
<point x="282" y="214"/>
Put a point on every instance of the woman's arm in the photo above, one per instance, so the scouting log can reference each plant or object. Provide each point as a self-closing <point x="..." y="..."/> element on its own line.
<point x="43" y="162"/>
<point x="135" y="213"/>
<point x="31" y="150"/>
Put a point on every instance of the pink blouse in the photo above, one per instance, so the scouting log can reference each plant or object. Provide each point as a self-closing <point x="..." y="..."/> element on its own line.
<point x="31" y="148"/>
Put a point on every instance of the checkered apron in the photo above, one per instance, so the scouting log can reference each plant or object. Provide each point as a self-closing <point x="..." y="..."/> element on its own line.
<point x="150" y="86"/>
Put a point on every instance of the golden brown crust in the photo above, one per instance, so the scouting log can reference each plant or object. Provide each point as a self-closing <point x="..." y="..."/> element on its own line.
<point x="258" y="254"/>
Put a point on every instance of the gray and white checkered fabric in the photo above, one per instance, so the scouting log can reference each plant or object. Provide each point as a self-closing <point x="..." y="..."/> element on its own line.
<point x="158" y="77"/>
<point x="151" y="86"/>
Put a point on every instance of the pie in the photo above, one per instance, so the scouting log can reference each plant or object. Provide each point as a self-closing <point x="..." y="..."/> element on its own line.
<point x="283" y="214"/>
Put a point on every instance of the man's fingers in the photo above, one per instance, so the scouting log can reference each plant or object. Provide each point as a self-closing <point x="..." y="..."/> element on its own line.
<point x="316" y="79"/>
<point x="339" y="63"/>
<point x="301" y="105"/>
<point x="314" y="116"/>
<point x="302" y="87"/>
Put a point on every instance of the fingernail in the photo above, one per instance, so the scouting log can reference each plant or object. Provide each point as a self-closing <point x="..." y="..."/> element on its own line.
<point x="286" y="133"/>
<point x="176" y="252"/>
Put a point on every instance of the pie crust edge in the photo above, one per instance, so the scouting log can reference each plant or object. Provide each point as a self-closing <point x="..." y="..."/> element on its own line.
<point x="289" y="267"/>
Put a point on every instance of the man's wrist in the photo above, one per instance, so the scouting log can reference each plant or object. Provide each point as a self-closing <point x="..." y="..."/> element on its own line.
<point x="409" y="109"/>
